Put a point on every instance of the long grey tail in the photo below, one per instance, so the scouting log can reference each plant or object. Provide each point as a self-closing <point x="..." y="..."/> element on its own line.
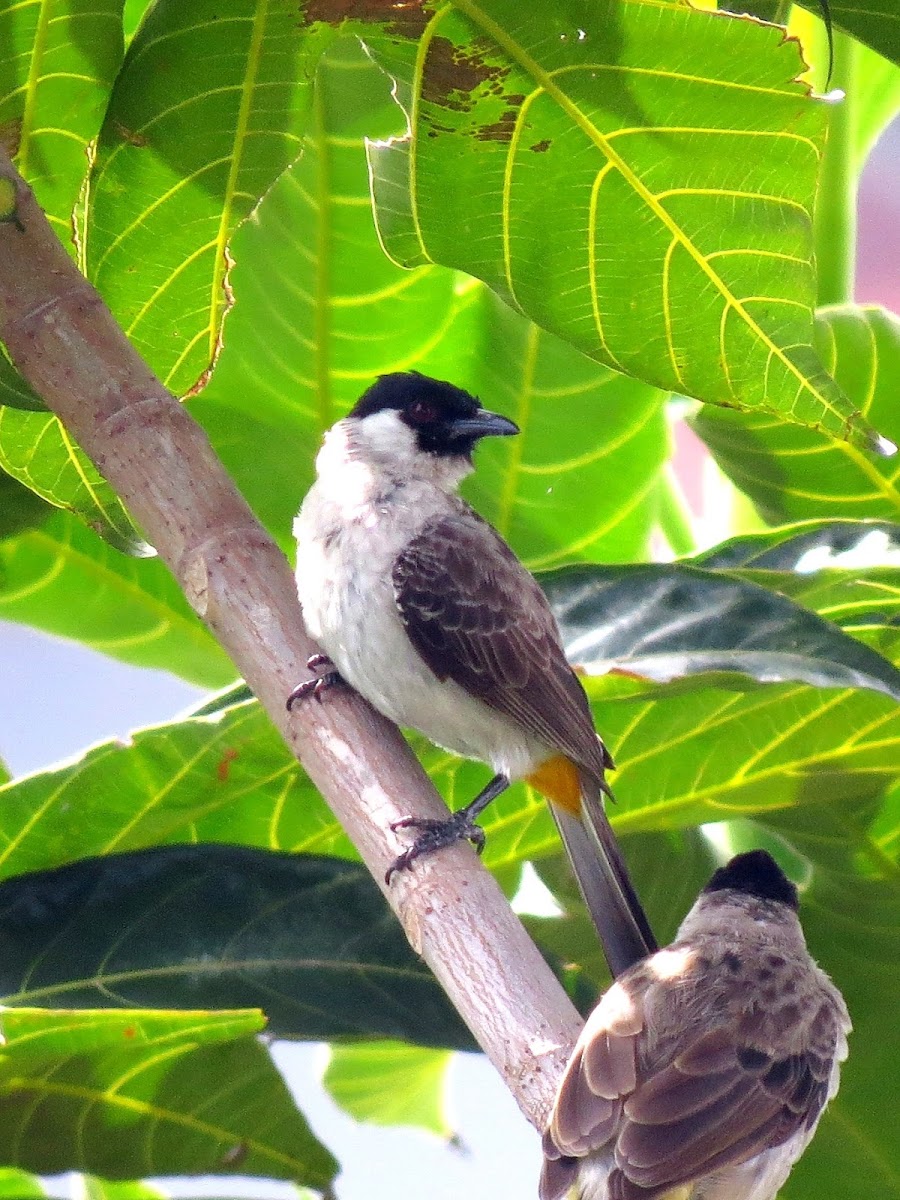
<point x="603" y="878"/>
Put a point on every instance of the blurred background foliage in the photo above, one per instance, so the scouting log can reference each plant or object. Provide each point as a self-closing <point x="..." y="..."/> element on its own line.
<point x="629" y="226"/>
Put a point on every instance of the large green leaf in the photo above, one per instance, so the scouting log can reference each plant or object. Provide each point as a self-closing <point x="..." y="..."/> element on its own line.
<point x="686" y="752"/>
<point x="222" y="778"/>
<point x="659" y="218"/>
<point x="183" y="156"/>
<point x="278" y="385"/>
<point x="60" y="577"/>
<point x="141" y="1093"/>
<point x="674" y="620"/>
<point x="793" y="474"/>
<point x="36" y="1034"/>
<point x="309" y="939"/>
<point x="580" y="481"/>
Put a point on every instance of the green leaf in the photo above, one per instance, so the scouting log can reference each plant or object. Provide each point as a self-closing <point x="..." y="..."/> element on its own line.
<point x="57" y="66"/>
<point x="687" y="757"/>
<point x="103" y="1189"/>
<point x="308" y="938"/>
<point x="832" y="568"/>
<point x="33" y="1035"/>
<point x="390" y="1083"/>
<point x="668" y="621"/>
<point x="18" y="1185"/>
<point x="276" y="388"/>
<point x="541" y="488"/>
<point x="226" y="777"/>
<point x="657" y="218"/>
<point x="164" y="1103"/>
<point x="60" y="577"/>
<point x="797" y="474"/>
<point x="37" y="450"/>
<point x="320" y="311"/>
<point x="20" y="509"/>
<point x="183" y="157"/>
<point x="878" y="24"/>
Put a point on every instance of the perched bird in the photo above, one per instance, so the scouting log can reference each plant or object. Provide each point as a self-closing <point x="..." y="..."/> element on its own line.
<point x="423" y="608"/>
<point x="704" y="1070"/>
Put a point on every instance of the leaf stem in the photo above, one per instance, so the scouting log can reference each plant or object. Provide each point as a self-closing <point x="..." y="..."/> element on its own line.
<point x="834" y="227"/>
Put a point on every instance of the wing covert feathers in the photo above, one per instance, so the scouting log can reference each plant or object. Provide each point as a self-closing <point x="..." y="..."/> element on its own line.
<point x="669" y="1099"/>
<point x="476" y="616"/>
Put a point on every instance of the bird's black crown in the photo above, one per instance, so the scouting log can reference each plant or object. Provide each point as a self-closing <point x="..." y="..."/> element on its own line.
<point x="755" y="873"/>
<point x="439" y="413"/>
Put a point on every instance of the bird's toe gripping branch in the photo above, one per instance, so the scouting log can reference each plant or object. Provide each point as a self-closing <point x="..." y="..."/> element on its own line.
<point x="437" y="834"/>
<point x="318" y="686"/>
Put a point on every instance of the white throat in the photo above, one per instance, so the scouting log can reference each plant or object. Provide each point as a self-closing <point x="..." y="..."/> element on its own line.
<point x="361" y="460"/>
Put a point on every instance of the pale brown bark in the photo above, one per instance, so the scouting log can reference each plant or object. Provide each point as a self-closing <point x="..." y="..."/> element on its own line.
<point x="66" y="344"/>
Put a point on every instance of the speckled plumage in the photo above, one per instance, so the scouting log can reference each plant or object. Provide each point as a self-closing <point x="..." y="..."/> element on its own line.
<point x="703" y="1071"/>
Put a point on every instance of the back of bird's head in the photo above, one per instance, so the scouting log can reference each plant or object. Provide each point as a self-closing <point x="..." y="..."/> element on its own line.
<point x="755" y="873"/>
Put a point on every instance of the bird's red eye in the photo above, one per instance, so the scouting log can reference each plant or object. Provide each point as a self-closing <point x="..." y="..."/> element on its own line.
<point x="422" y="412"/>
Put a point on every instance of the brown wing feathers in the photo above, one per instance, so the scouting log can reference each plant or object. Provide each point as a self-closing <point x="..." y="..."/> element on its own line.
<point x="717" y="1102"/>
<point x="476" y="616"/>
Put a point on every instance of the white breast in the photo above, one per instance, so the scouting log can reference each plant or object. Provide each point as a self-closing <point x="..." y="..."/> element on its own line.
<point x="346" y="547"/>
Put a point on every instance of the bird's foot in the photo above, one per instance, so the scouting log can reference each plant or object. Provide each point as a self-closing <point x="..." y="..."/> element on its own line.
<point x="435" y="835"/>
<point x="315" y="687"/>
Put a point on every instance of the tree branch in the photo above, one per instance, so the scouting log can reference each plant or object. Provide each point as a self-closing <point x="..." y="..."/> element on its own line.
<point x="65" y="342"/>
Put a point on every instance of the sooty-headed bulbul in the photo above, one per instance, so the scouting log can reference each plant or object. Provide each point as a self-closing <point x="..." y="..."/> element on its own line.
<point x="423" y="608"/>
<point x="704" y="1070"/>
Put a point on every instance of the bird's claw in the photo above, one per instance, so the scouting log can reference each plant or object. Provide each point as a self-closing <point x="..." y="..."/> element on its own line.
<point x="315" y="687"/>
<point x="435" y="835"/>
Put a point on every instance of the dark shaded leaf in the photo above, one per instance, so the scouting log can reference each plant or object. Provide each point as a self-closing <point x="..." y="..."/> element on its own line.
<point x="877" y="24"/>
<point x="668" y="621"/>
<point x="832" y="568"/>
<point x="309" y="939"/>
<point x="809" y="547"/>
<point x="20" y="509"/>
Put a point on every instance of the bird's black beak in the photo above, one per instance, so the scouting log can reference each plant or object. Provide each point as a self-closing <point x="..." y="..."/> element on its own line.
<point x="484" y="424"/>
